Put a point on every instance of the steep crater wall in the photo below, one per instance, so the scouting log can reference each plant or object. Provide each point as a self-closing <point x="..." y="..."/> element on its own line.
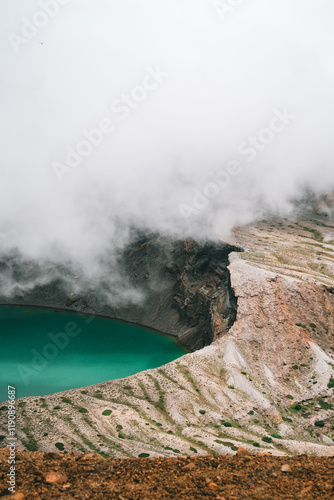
<point x="185" y="287"/>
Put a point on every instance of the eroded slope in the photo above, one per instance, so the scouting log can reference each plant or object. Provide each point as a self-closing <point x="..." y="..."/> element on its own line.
<point x="267" y="383"/>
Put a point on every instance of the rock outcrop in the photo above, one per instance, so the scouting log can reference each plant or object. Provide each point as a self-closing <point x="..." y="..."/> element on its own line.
<point x="185" y="288"/>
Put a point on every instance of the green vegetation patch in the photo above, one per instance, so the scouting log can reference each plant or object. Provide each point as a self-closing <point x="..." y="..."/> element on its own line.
<point x="324" y="405"/>
<point x="107" y="412"/>
<point x="295" y="408"/>
<point x="82" y="410"/>
<point x="66" y="400"/>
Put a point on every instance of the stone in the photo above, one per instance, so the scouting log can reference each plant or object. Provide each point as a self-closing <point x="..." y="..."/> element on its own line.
<point x="243" y="451"/>
<point x="55" y="477"/>
<point x="92" y="456"/>
<point x="212" y="485"/>
<point x="190" y="466"/>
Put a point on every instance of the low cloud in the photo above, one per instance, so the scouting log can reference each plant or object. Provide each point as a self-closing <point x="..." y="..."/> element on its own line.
<point x="226" y="83"/>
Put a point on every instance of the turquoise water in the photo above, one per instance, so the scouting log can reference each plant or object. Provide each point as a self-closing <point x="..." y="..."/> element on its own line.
<point x="44" y="351"/>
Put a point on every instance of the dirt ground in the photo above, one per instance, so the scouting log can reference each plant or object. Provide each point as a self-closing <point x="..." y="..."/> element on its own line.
<point x="89" y="476"/>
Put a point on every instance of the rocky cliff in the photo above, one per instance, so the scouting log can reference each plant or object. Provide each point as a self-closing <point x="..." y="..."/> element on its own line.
<point x="184" y="287"/>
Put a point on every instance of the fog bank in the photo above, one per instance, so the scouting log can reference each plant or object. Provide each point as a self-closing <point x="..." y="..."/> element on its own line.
<point x="185" y="117"/>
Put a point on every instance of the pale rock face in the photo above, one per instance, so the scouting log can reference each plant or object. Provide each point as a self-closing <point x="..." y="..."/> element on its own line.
<point x="285" y="430"/>
<point x="327" y="440"/>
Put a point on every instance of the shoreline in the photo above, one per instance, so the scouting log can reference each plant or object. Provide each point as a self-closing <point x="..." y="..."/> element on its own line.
<point x="112" y="318"/>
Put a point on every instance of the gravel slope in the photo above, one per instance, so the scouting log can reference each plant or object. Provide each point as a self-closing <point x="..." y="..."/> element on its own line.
<point x="51" y="475"/>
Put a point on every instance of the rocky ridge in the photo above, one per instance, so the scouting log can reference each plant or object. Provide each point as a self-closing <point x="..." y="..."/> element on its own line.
<point x="265" y="384"/>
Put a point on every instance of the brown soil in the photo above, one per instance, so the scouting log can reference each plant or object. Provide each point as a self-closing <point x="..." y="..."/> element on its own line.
<point x="89" y="476"/>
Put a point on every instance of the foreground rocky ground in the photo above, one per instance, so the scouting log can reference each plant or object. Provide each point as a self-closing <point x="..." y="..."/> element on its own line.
<point x="52" y="475"/>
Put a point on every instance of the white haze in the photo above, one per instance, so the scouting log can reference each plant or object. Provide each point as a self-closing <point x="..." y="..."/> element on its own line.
<point x="225" y="79"/>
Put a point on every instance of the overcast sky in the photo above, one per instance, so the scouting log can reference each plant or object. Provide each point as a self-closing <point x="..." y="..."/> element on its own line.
<point x="211" y="113"/>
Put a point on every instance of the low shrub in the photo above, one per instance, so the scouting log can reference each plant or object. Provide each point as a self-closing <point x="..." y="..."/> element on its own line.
<point x="295" y="408"/>
<point x="324" y="405"/>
